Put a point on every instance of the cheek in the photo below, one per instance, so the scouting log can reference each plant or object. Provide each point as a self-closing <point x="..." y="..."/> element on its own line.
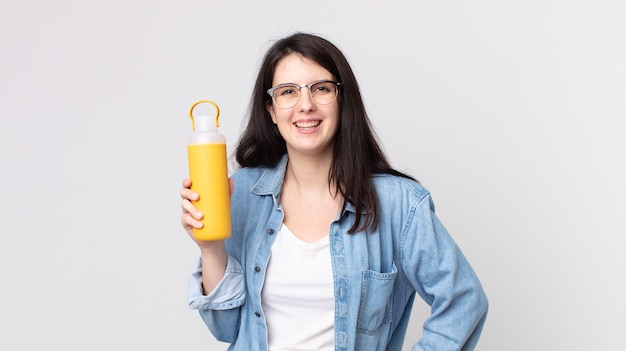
<point x="337" y="118"/>
<point x="281" y="117"/>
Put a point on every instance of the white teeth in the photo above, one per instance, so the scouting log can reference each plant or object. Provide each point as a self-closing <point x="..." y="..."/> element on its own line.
<point x="309" y="124"/>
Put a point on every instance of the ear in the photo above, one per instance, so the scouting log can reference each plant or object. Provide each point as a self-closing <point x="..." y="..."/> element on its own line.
<point x="270" y="109"/>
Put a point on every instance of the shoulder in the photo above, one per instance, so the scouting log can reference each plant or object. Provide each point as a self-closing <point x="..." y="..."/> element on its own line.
<point x="248" y="174"/>
<point x="246" y="179"/>
<point x="262" y="180"/>
<point x="393" y="187"/>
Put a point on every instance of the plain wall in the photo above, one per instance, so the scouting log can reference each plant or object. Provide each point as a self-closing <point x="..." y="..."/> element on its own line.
<point x="510" y="112"/>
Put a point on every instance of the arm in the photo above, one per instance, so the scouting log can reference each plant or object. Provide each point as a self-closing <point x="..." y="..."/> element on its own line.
<point x="221" y="308"/>
<point x="445" y="280"/>
<point x="216" y="286"/>
<point x="213" y="253"/>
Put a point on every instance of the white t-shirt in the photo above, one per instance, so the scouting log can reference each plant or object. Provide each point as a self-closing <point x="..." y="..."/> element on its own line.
<point x="297" y="295"/>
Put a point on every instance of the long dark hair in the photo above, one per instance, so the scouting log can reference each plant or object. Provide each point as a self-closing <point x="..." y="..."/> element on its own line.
<point x="356" y="152"/>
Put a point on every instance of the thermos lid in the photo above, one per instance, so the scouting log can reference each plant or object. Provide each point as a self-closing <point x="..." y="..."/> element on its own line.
<point x="204" y="122"/>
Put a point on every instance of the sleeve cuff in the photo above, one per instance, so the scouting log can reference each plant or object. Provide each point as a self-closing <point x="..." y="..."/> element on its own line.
<point x="229" y="292"/>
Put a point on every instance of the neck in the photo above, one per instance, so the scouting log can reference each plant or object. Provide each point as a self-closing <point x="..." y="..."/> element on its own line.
<point x="308" y="174"/>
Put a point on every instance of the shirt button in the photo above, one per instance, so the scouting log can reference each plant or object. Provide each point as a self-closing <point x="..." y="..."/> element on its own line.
<point x="257" y="314"/>
<point x="341" y="338"/>
<point x="270" y="231"/>
<point x="257" y="269"/>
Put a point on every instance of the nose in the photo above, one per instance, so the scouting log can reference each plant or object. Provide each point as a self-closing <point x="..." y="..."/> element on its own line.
<point x="306" y="102"/>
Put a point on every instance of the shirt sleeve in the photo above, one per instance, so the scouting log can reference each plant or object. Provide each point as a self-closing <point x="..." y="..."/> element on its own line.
<point x="228" y="293"/>
<point x="444" y="279"/>
<point x="221" y="309"/>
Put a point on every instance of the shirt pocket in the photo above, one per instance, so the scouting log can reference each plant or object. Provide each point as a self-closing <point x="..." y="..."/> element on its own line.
<point x="375" y="307"/>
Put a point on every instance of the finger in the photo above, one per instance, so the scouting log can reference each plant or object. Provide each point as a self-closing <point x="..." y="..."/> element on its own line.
<point x="188" y="194"/>
<point x="186" y="183"/>
<point x="231" y="185"/>
<point x="189" y="222"/>
<point x="189" y="208"/>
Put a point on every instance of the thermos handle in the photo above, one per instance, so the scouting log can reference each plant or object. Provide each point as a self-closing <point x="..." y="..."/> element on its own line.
<point x="217" y="116"/>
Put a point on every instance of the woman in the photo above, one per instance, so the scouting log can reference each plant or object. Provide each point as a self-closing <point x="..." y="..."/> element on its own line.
<point x="329" y="243"/>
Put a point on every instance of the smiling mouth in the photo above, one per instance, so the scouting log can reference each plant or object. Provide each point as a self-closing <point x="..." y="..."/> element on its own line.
<point x="307" y="124"/>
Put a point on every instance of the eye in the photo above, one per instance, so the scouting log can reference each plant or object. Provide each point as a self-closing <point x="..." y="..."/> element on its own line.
<point x="286" y="91"/>
<point x="323" y="88"/>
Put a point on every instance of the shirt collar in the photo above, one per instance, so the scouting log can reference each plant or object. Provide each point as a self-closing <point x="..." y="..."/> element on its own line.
<point x="271" y="182"/>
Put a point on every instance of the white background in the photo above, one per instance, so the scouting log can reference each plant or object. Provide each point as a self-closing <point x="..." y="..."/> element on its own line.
<point x="510" y="112"/>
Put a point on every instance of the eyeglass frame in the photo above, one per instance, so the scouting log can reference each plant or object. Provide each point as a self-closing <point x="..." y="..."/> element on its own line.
<point x="271" y="91"/>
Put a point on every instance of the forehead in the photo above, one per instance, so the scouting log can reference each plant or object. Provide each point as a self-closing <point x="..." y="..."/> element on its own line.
<point x="295" y="68"/>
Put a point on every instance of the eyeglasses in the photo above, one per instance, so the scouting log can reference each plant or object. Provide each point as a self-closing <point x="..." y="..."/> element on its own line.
<point x="287" y="95"/>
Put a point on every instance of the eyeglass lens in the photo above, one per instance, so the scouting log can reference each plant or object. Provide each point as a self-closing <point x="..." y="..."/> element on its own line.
<point x="287" y="96"/>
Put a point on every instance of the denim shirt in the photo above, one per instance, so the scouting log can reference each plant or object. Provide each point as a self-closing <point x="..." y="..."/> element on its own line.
<point x="376" y="272"/>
